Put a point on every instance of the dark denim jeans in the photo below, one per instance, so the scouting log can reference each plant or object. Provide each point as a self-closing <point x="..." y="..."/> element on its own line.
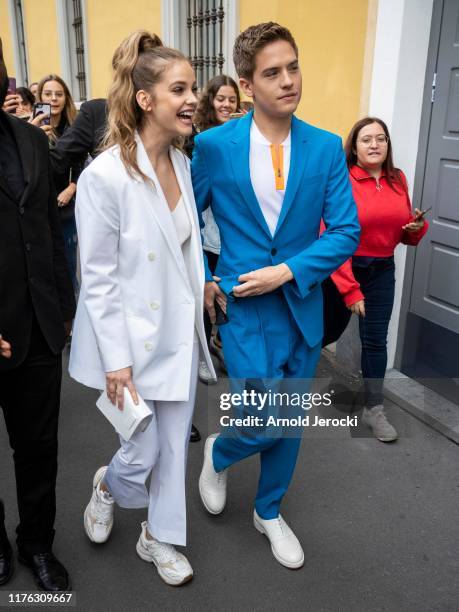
<point x="377" y="281"/>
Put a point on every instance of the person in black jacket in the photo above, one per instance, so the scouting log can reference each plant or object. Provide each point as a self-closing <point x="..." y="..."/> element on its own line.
<point x="37" y="305"/>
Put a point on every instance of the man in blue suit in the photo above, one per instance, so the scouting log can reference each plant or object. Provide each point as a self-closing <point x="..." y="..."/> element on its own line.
<point x="270" y="179"/>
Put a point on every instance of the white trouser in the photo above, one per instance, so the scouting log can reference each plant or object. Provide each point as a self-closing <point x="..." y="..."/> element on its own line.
<point x="160" y="450"/>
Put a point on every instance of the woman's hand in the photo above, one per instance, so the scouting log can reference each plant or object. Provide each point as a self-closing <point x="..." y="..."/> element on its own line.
<point x="416" y="224"/>
<point x="11" y="103"/>
<point x="358" y="308"/>
<point x="37" y="122"/>
<point x="5" y="348"/>
<point x="65" y="196"/>
<point x="116" y="381"/>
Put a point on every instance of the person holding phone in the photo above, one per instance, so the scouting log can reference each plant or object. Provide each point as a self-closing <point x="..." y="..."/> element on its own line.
<point x="53" y="91"/>
<point x="367" y="282"/>
<point x="139" y="322"/>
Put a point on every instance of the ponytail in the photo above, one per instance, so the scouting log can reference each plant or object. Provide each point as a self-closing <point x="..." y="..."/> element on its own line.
<point x="138" y="63"/>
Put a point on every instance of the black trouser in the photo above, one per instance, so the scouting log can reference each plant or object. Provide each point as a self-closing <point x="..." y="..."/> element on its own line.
<point x="377" y="282"/>
<point x="212" y="259"/>
<point x="29" y="396"/>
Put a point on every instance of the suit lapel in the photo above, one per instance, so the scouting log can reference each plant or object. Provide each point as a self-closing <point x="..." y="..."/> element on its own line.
<point x="240" y="162"/>
<point x="27" y="155"/>
<point x="299" y="155"/>
<point x="159" y="207"/>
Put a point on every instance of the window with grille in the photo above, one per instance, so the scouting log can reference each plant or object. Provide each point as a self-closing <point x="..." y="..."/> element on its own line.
<point x="22" y="68"/>
<point x="76" y="46"/>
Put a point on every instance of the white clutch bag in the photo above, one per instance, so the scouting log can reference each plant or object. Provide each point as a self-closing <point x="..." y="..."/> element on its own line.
<point x="129" y="420"/>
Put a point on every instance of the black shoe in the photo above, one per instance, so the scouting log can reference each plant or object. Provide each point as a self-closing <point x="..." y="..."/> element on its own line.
<point x="49" y="573"/>
<point x="195" y="436"/>
<point x="6" y="563"/>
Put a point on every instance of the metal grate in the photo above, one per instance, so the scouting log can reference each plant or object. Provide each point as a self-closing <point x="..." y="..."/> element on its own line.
<point x="77" y="25"/>
<point x="204" y="24"/>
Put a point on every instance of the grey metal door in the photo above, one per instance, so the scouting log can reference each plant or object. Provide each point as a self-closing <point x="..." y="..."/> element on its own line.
<point x="435" y="294"/>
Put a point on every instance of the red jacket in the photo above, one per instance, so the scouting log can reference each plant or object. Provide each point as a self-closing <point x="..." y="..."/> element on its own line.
<point x="382" y="213"/>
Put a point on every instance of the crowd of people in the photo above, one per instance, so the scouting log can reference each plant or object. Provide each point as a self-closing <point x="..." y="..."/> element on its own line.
<point x="205" y="225"/>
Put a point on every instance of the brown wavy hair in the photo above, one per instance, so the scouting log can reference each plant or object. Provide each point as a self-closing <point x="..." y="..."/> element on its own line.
<point x="138" y="63"/>
<point x="393" y="174"/>
<point x="254" y="39"/>
<point x="69" y="112"/>
<point x="205" y="116"/>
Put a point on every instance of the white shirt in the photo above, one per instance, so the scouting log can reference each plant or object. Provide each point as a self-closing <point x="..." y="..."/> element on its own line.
<point x="263" y="178"/>
<point x="181" y="222"/>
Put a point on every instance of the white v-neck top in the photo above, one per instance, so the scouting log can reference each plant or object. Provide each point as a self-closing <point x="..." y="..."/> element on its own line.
<point x="262" y="175"/>
<point x="181" y="221"/>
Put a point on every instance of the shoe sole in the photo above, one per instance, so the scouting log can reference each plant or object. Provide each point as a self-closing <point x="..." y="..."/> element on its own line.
<point x="208" y="381"/>
<point x="148" y="559"/>
<point x="213" y="512"/>
<point x="38" y="582"/>
<point x="261" y="529"/>
<point x="381" y="439"/>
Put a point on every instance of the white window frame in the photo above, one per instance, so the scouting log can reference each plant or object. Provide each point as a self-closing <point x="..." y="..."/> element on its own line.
<point x="21" y="58"/>
<point x="65" y="30"/>
<point x="170" y="29"/>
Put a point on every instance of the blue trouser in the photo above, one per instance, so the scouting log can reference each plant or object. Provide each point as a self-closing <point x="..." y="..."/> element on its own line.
<point x="377" y="282"/>
<point x="262" y="341"/>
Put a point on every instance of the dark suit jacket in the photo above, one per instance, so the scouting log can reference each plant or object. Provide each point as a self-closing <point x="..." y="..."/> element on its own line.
<point x="33" y="267"/>
<point x="82" y="138"/>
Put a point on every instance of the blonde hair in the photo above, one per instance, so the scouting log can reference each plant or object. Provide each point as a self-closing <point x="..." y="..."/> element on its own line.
<point x="138" y="63"/>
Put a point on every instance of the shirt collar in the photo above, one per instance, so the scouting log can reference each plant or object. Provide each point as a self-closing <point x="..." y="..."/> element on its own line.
<point x="359" y="173"/>
<point x="257" y="136"/>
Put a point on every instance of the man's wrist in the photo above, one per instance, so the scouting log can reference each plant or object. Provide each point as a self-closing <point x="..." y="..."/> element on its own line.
<point x="286" y="273"/>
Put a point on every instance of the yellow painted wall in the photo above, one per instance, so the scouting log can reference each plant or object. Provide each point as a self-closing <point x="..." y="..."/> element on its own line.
<point x="108" y="23"/>
<point x="331" y="36"/>
<point x="40" y="25"/>
<point x="5" y="35"/>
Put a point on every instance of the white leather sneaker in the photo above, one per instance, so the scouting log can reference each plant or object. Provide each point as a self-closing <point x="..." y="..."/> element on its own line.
<point x="212" y="484"/>
<point x="98" y="516"/>
<point x="284" y="543"/>
<point x="173" y="567"/>
<point x="205" y="375"/>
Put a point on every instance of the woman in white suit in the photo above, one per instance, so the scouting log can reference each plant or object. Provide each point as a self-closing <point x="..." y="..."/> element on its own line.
<point x="139" y="322"/>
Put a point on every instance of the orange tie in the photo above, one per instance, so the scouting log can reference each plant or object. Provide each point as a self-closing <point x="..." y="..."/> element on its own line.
<point x="277" y="156"/>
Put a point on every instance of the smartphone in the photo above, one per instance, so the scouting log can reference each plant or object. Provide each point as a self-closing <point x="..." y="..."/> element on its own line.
<point x="422" y="213"/>
<point x="40" y="108"/>
<point x="11" y="85"/>
<point x="220" y="316"/>
<point x="236" y="115"/>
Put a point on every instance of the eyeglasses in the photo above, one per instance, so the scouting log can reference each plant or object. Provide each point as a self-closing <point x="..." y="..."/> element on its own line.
<point x="381" y="139"/>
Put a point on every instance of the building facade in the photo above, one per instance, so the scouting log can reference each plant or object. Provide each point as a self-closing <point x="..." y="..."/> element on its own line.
<point x="376" y="57"/>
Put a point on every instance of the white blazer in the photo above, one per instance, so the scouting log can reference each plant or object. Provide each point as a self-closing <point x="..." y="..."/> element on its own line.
<point x="141" y="297"/>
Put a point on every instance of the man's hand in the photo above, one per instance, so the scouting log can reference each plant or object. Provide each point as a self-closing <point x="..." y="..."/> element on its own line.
<point x="358" y="308"/>
<point x="66" y="195"/>
<point x="116" y="381"/>
<point x="263" y="280"/>
<point x="11" y="103"/>
<point x="213" y="292"/>
<point x="5" y="348"/>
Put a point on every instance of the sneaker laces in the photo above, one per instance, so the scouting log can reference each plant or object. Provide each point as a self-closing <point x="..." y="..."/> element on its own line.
<point x="102" y="510"/>
<point x="165" y="553"/>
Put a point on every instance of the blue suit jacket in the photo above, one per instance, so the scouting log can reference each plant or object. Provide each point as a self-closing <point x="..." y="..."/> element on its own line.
<point x="317" y="187"/>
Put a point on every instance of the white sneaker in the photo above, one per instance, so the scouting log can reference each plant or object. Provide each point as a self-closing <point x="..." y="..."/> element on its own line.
<point x="173" y="567"/>
<point x="205" y="375"/>
<point x="284" y="543"/>
<point x="212" y="484"/>
<point x="98" y="516"/>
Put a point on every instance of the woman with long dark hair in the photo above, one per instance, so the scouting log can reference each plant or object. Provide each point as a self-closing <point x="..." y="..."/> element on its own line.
<point x="367" y="285"/>
<point x="139" y="326"/>
<point x="54" y="91"/>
